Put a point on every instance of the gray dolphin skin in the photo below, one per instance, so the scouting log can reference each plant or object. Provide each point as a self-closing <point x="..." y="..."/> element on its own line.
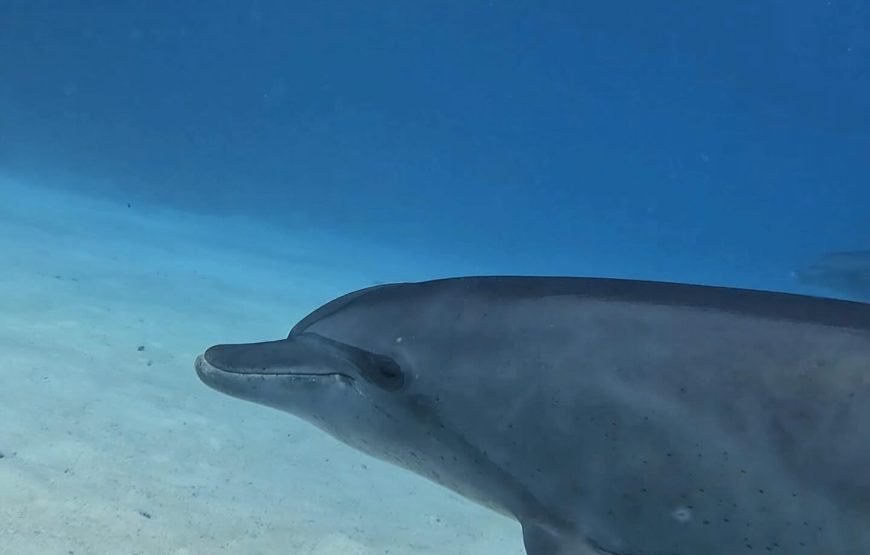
<point x="843" y="273"/>
<point x="605" y="416"/>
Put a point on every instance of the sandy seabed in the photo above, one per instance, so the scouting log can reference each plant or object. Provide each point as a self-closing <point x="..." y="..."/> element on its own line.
<point x="109" y="442"/>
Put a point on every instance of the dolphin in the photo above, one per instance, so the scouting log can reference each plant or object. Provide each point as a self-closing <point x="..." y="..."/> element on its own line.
<point x="844" y="273"/>
<point x="605" y="416"/>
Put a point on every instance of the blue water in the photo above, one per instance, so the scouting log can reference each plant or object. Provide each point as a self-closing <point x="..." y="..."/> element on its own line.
<point x="719" y="143"/>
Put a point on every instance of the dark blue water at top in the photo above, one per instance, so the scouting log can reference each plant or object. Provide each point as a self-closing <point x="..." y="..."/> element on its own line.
<point x="535" y="135"/>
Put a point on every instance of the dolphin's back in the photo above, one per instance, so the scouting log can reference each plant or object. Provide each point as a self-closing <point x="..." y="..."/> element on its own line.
<point x="753" y="303"/>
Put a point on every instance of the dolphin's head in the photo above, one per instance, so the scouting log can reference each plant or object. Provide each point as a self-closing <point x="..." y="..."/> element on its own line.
<point x="350" y="393"/>
<point x="359" y="369"/>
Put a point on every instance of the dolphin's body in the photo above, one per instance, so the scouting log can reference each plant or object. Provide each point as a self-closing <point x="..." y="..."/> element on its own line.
<point x="606" y="416"/>
<point x="843" y="273"/>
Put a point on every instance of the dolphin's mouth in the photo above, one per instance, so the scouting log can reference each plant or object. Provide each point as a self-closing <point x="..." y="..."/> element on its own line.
<point x="210" y="367"/>
<point x="262" y="383"/>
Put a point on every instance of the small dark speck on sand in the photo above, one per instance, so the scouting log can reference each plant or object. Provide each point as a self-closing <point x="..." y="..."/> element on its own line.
<point x="2" y="456"/>
<point x="145" y="514"/>
<point x="140" y="348"/>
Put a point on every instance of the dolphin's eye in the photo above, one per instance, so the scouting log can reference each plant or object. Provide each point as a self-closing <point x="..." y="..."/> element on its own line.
<point x="383" y="372"/>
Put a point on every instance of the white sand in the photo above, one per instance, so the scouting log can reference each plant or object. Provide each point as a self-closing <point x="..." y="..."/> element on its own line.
<point x="112" y="450"/>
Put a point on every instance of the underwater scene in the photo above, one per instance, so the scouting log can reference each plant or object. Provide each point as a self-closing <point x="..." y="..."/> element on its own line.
<point x="434" y="278"/>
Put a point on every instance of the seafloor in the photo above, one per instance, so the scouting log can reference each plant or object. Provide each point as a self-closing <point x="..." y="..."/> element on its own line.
<point x="111" y="445"/>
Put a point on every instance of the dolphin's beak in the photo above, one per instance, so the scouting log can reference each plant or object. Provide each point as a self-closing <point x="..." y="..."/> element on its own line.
<point x="203" y="368"/>
<point x="253" y="370"/>
<point x="217" y="378"/>
<point x="242" y="369"/>
<point x="269" y="357"/>
<point x="214" y="377"/>
<point x="284" y="356"/>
